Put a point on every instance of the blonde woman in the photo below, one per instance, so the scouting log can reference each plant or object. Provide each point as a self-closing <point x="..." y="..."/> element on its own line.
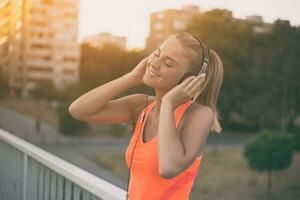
<point x="165" y="150"/>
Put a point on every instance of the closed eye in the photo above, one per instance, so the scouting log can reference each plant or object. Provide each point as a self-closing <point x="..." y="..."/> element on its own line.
<point x="170" y="65"/>
<point x="168" y="61"/>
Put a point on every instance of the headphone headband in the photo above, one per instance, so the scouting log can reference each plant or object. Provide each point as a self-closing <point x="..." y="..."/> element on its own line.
<point x="205" y="53"/>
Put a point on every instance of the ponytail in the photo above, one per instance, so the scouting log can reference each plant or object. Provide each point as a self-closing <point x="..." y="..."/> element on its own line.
<point x="211" y="88"/>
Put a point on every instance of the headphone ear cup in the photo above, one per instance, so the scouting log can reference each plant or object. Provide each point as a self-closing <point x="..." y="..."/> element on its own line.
<point x="185" y="76"/>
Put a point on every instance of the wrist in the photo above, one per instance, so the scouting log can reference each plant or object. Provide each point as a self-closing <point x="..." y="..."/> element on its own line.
<point x="138" y="80"/>
<point x="133" y="79"/>
<point x="166" y="103"/>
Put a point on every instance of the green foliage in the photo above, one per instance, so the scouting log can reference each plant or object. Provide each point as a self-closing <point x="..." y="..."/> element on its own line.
<point x="67" y="124"/>
<point x="295" y="140"/>
<point x="45" y="89"/>
<point x="71" y="92"/>
<point x="268" y="150"/>
<point x="99" y="66"/>
<point x="3" y="84"/>
<point x="261" y="70"/>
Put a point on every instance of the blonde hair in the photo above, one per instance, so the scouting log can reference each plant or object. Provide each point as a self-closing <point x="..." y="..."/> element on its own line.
<point x="214" y="74"/>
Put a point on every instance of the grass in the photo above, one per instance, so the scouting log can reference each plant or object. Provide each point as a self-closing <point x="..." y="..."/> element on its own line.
<point x="225" y="175"/>
<point x="34" y="108"/>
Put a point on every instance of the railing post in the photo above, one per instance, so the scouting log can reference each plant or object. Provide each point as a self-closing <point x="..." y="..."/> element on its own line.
<point x="25" y="177"/>
<point x="37" y="162"/>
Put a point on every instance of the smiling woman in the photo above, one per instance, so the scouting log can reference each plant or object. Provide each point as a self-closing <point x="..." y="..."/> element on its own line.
<point x="165" y="150"/>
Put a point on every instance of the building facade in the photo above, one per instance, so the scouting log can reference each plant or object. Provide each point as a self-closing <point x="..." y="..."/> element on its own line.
<point x="172" y="21"/>
<point x="99" y="40"/>
<point x="43" y="43"/>
<point x="10" y="38"/>
<point x="167" y="22"/>
<point x="258" y="24"/>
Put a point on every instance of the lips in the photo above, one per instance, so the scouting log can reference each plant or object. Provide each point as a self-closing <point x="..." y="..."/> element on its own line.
<point x="151" y="71"/>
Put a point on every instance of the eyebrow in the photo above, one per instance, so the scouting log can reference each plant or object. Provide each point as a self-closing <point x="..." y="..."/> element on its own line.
<point x="167" y="56"/>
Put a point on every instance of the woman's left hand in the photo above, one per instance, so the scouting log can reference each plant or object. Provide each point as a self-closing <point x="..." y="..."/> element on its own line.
<point x="190" y="88"/>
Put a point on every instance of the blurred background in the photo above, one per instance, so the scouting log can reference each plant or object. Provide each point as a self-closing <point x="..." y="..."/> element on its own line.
<point x="53" y="51"/>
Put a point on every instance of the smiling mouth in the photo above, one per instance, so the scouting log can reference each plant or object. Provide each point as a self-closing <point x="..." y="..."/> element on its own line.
<point x="152" y="73"/>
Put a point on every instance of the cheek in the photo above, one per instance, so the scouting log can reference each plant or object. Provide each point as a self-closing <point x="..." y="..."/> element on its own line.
<point x="170" y="79"/>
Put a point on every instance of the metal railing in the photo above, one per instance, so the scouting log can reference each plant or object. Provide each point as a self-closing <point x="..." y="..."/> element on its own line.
<point x="30" y="173"/>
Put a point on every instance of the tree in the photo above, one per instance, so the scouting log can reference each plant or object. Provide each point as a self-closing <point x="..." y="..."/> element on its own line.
<point x="45" y="89"/>
<point x="230" y="38"/>
<point x="99" y="66"/>
<point x="3" y="83"/>
<point x="67" y="124"/>
<point x="295" y="140"/>
<point x="268" y="151"/>
<point x="261" y="70"/>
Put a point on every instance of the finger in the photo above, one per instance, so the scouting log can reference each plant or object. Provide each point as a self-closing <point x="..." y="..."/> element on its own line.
<point x="202" y="75"/>
<point x="196" y="81"/>
<point x="196" y="89"/>
<point x="194" y="98"/>
<point x="187" y="81"/>
<point x="200" y="78"/>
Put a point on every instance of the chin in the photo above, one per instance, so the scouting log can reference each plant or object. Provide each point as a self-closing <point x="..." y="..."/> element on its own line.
<point x="149" y="81"/>
<point x="154" y="82"/>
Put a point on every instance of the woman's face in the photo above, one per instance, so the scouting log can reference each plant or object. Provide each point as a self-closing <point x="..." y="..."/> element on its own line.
<point x="166" y="65"/>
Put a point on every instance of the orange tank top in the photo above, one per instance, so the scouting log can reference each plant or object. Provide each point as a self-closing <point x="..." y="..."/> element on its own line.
<point x="145" y="181"/>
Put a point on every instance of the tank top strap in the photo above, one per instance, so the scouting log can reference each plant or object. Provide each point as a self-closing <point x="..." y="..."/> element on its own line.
<point x="180" y="110"/>
<point x="146" y="111"/>
<point x="177" y="113"/>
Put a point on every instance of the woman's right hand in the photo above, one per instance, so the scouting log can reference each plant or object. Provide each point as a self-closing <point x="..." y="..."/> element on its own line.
<point x="139" y="71"/>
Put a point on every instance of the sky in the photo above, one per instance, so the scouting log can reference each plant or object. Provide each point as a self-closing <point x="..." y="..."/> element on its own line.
<point x="131" y="18"/>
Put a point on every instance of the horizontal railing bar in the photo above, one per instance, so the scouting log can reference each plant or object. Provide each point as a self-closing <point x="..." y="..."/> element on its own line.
<point x="84" y="179"/>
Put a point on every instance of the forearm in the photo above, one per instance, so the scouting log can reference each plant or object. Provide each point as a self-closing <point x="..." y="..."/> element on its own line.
<point x="170" y="147"/>
<point x="95" y="99"/>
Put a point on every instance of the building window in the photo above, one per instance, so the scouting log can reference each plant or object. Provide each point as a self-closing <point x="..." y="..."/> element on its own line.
<point x="160" y="16"/>
<point x="40" y="46"/>
<point x="71" y="15"/>
<point x="68" y="71"/>
<point x="49" y="2"/>
<point x="39" y="23"/>
<point x="70" y="59"/>
<point x="179" y="25"/>
<point x="46" y="58"/>
<point x="39" y="69"/>
<point x="158" y="26"/>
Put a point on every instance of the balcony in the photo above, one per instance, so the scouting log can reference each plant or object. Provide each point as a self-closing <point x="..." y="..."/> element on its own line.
<point x="30" y="173"/>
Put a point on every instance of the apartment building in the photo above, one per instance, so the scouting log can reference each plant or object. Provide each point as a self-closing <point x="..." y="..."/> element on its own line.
<point x="46" y="46"/>
<point x="258" y="24"/>
<point x="167" y="22"/>
<point x="171" y="21"/>
<point x="99" y="40"/>
<point x="10" y="37"/>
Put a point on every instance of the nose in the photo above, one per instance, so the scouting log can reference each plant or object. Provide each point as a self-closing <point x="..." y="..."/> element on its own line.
<point x="155" y="62"/>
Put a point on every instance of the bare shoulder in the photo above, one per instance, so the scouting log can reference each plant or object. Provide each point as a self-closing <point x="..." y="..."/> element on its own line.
<point x="196" y="112"/>
<point x="200" y="108"/>
<point x="138" y="103"/>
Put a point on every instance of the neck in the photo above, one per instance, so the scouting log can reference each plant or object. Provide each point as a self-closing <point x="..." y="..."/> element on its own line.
<point x="159" y="95"/>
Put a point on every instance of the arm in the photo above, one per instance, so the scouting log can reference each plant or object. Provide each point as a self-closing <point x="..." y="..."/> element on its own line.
<point x="178" y="151"/>
<point x="97" y="98"/>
